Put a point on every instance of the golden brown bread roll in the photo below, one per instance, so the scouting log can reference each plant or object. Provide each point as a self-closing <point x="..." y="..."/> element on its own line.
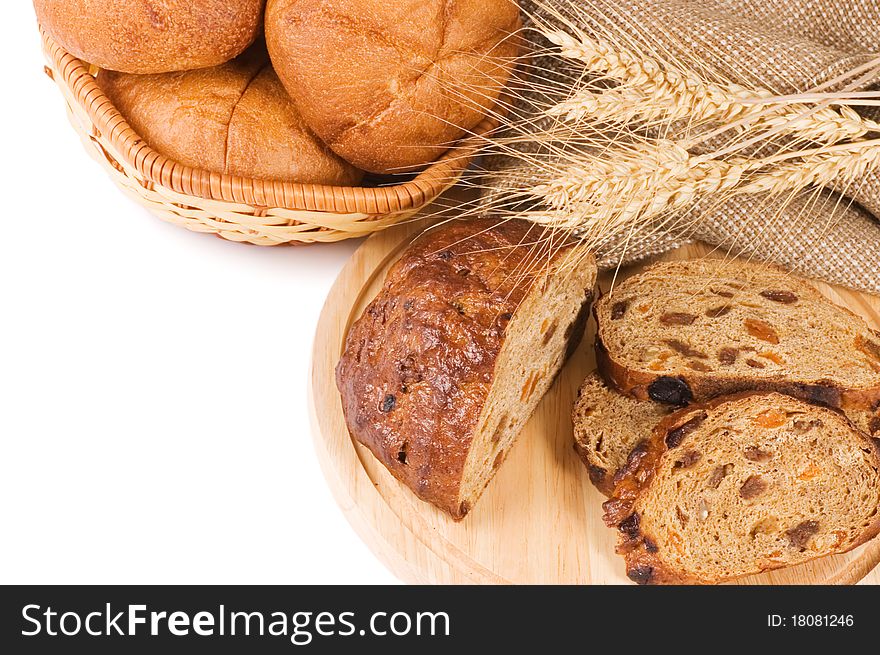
<point x="235" y="118"/>
<point x="152" y="36"/>
<point x="389" y="85"/>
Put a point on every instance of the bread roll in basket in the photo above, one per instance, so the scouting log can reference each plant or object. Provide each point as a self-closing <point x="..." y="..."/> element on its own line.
<point x="261" y="212"/>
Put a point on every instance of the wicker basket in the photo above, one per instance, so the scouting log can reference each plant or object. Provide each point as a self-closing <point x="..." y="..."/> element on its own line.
<point x="262" y="212"/>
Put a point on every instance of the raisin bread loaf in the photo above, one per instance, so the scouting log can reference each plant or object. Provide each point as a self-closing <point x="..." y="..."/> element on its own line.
<point x="607" y="425"/>
<point x="448" y="361"/>
<point x="693" y="330"/>
<point x="744" y="484"/>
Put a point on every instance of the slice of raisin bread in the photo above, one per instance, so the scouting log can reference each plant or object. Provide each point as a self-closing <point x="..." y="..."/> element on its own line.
<point x="448" y="362"/>
<point x="607" y="425"/>
<point x="745" y="484"/>
<point x="693" y="330"/>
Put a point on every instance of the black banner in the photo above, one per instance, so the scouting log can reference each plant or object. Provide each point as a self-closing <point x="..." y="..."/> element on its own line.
<point x="431" y="619"/>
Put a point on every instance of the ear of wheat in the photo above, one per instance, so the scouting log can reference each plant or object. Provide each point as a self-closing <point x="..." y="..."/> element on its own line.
<point x="636" y="141"/>
<point x="650" y="91"/>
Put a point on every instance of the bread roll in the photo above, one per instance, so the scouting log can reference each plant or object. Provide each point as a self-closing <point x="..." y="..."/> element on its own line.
<point x="235" y="119"/>
<point x="146" y="36"/>
<point x="390" y="85"/>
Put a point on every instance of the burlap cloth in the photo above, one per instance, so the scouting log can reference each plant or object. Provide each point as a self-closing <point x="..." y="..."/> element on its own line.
<point x="786" y="46"/>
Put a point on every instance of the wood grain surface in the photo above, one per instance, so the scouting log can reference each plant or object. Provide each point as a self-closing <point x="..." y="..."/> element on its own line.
<point x="540" y="520"/>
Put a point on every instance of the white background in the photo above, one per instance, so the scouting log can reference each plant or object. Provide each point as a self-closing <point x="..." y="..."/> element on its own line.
<point x="153" y="408"/>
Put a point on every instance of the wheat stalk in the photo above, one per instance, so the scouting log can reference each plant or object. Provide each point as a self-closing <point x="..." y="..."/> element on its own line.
<point x="654" y="92"/>
<point x="647" y="182"/>
<point x="847" y="163"/>
<point x="639" y="142"/>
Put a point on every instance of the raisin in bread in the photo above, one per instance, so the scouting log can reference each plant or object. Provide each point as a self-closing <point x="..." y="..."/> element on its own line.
<point x="607" y="425"/>
<point x="745" y="484"/>
<point x="448" y="361"/>
<point x="693" y="330"/>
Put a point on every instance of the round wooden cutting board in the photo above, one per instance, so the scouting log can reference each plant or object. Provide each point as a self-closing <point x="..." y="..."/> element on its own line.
<point x="540" y="519"/>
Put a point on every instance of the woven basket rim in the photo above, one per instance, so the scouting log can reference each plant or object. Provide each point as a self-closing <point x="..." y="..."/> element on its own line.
<point x="186" y="180"/>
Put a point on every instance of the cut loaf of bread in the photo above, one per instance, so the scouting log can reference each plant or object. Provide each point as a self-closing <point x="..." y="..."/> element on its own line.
<point x="607" y="426"/>
<point x="692" y="330"/>
<point x="447" y="363"/>
<point x="741" y="485"/>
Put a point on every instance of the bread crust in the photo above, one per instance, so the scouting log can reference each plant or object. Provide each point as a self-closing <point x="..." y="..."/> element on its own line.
<point x="391" y="85"/>
<point x="418" y="365"/>
<point x="644" y="563"/>
<point x="146" y="36"/>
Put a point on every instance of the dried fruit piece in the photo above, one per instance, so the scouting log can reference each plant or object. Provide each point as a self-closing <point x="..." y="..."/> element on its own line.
<point x="868" y="347"/>
<point x="633" y="460"/>
<point x="766" y="525"/>
<point x="754" y="363"/>
<point x="641" y="574"/>
<point x="550" y="332"/>
<point x="753" y="487"/>
<point x="388" y="404"/>
<point x="755" y="454"/>
<point x="630" y="526"/>
<point x="722" y="292"/>
<point x="499" y="430"/>
<point x="687" y="460"/>
<point x="810" y="472"/>
<point x="530" y="385"/>
<point x="682" y="516"/>
<point x="618" y="310"/>
<point x="699" y="366"/>
<point x="727" y="356"/>
<point x="718" y="312"/>
<point x="678" y="318"/>
<point x="772" y="356"/>
<point x="669" y="390"/>
<point x="685" y="349"/>
<point x="781" y="296"/>
<point x="718" y="474"/>
<point x="676" y="436"/>
<point x="761" y="330"/>
<point x="799" y="536"/>
<point x="660" y="360"/>
<point x="771" y="418"/>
